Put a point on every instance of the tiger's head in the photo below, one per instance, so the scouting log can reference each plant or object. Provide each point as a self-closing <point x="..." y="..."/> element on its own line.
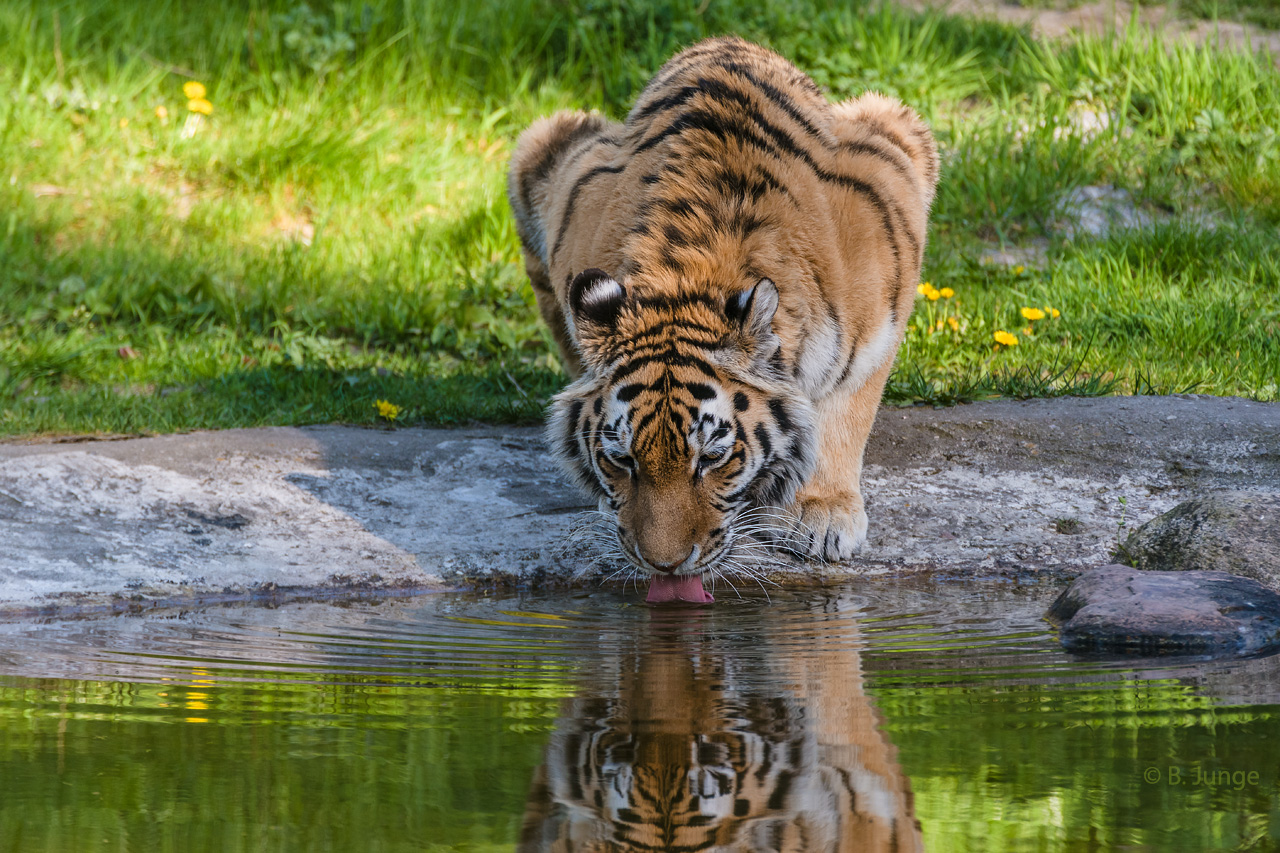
<point x="682" y="421"/>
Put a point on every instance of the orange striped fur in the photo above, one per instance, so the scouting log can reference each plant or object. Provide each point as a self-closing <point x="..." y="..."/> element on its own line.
<point x="729" y="274"/>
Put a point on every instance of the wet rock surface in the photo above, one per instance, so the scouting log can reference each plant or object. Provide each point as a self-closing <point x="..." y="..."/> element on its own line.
<point x="985" y="489"/>
<point x="1234" y="531"/>
<point x="1118" y="609"/>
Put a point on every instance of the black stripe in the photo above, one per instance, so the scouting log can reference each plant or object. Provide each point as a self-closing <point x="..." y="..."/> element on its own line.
<point x="642" y="424"/>
<point x="675" y="236"/>
<point x="798" y="356"/>
<point x="660" y="328"/>
<point x="665" y="346"/>
<point x="762" y="437"/>
<point x="718" y="126"/>
<point x="828" y="308"/>
<point x="683" y="62"/>
<point x="877" y="128"/>
<point x="738" y="494"/>
<point x="629" y="392"/>
<point x="773" y="488"/>
<point x="925" y="140"/>
<point x="782" y="788"/>
<point x="726" y="126"/>
<point x="700" y="390"/>
<point x="780" y="99"/>
<point x="680" y="302"/>
<point x="576" y="142"/>
<point x="676" y="206"/>
<point x="832" y="314"/>
<point x="903" y="169"/>
<point x="848" y="365"/>
<point x="582" y="181"/>
<point x="767" y="178"/>
<point x="722" y="126"/>
<point x="779" y="411"/>
<point x="668" y="260"/>
<point x="727" y="182"/>
<point x="663" y="342"/>
<point x="669" y="358"/>
<point x="680" y="97"/>
<point x="571" y="436"/>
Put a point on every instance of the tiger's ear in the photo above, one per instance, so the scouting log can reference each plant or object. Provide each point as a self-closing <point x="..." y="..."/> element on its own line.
<point x="751" y="312"/>
<point x="595" y="300"/>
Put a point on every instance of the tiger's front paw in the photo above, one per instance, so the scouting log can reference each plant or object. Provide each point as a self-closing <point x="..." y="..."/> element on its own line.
<point x="829" y="529"/>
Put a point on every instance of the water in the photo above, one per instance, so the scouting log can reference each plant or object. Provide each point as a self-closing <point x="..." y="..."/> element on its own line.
<point x="892" y="715"/>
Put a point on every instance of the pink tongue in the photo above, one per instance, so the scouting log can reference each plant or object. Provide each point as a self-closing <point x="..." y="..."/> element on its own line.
<point x="664" y="588"/>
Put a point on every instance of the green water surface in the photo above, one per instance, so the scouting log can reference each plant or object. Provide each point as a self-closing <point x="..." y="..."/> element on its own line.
<point x="465" y="723"/>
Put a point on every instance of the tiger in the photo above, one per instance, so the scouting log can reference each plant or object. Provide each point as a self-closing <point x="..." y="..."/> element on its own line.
<point x="684" y="742"/>
<point x="728" y="275"/>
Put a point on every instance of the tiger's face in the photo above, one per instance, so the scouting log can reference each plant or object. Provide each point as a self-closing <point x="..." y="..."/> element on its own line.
<point x="687" y="735"/>
<point x="680" y="425"/>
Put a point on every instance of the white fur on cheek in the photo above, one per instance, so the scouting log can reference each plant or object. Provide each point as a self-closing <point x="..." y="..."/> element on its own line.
<point x="616" y="413"/>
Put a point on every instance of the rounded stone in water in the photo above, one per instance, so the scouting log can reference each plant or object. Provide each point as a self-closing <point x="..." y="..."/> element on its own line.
<point x="1123" y="610"/>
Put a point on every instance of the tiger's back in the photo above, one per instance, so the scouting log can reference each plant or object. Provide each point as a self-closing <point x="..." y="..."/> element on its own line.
<point x="732" y="171"/>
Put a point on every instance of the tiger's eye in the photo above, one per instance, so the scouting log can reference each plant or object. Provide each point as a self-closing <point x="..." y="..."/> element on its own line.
<point x="711" y="458"/>
<point x="621" y="459"/>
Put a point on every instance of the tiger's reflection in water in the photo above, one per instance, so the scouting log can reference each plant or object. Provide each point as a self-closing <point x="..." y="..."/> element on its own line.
<point x="696" y="739"/>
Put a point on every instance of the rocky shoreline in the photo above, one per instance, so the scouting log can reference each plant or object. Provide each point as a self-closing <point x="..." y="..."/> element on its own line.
<point x="1044" y="487"/>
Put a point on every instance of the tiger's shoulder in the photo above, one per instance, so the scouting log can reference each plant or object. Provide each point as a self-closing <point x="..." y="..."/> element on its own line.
<point x="733" y="166"/>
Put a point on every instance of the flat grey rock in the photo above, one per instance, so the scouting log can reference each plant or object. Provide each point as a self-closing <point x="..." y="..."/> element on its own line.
<point x="1233" y="531"/>
<point x="1001" y="487"/>
<point x="1123" y="610"/>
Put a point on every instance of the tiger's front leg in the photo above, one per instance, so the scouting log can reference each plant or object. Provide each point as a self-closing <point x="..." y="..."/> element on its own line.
<point x="553" y="315"/>
<point x="830" y="520"/>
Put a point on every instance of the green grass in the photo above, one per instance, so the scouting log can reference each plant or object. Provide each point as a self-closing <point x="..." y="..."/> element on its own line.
<point x="1262" y="13"/>
<point x="337" y="232"/>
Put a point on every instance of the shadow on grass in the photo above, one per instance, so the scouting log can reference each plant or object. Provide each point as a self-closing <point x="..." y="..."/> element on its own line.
<point x="285" y="396"/>
<point x="132" y="332"/>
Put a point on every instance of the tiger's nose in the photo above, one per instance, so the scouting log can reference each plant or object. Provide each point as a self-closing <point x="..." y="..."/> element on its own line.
<point x="668" y="568"/>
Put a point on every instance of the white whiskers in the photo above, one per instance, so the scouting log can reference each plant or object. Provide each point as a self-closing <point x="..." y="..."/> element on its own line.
<point x="750" y="549"/>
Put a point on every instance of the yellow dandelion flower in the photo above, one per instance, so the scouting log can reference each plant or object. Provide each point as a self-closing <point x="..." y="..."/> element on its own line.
<point x="193" y="90"/>
<point x="947" y="293"/>
<point x="124" y="122"/>
<point x="1032" y="314"/>
<point x="1028" y="331"/>
<point x="953" y="323"/>
<point x="922" y="287"/>
<point x="1003" y="337"/>
<point x="161" y="112"/>
<point x="387" y="409"/>
<point x="1055" y="312"/>
<point x="200" y="105"/>
<point x="932" y="295"/>
<point x="1019" y="270"/>
<point x="941" y="323"/>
